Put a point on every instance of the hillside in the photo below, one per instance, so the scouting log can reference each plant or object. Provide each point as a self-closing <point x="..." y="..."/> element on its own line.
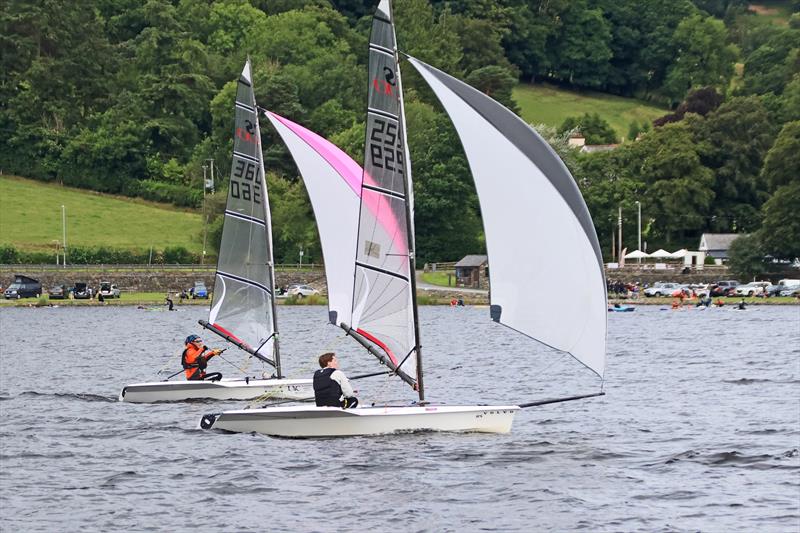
<point x="30" y="219"/>
<point x="547" y="104"/>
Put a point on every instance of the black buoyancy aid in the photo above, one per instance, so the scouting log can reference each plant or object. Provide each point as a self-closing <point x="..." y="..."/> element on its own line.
<point x="326" y="391"/>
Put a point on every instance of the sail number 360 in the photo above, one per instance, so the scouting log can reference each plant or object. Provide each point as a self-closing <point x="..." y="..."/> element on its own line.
<point x="382" y="149"/>
<point x="248" y="189"/>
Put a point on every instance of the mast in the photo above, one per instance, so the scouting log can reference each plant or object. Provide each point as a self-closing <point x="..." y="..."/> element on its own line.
<point x="384" y="313"/>
<point x="409" y="216"/>
<point x="276" y="354"/>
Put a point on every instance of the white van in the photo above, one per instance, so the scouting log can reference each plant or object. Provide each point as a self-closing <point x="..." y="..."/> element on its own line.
<point x="787" y="287"/>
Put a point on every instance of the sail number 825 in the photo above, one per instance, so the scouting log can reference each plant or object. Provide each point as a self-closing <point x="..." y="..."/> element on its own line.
<point x="246" y="187"/>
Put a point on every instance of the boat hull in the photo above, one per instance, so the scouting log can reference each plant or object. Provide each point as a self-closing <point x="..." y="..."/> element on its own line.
<point x="304" y="422"/>
<point x="226" y="389"/>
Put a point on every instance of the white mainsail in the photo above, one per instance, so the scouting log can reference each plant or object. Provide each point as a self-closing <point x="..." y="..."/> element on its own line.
<point x="524" y="188"/>
<point x="243" y="301"/>
<point x="384" y="311"/>
<point x="333" y="182"/>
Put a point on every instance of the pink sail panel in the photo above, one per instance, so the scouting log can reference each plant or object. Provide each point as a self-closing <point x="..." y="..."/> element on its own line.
<point x="352" y="173"/>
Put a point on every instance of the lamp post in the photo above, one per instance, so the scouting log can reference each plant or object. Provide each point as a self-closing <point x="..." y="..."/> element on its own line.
<point x="301" y="258"/>
<point x="639" y="227"/>
<point x="64" y="232"/>
<point x="205" y="218"/>
<point x="209" y="183"/>
<point x="619" y="240"/>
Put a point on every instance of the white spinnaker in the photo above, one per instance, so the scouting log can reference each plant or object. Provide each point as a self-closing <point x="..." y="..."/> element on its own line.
<point x="546" y="274"/>
<point x="333" y="182"/>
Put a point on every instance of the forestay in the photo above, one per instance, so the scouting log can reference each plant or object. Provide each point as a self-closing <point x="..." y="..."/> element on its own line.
<point x="243" y="305"/>
<point x="333" y="182"/>
<point x="549" y="284"/>
<point x="383" y="306"/>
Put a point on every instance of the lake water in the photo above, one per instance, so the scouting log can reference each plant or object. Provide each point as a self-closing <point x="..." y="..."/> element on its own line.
<point x="699" y="430"/>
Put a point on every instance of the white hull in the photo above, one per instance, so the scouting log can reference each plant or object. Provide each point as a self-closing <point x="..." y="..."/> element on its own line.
<point x="335" y="422"/>
<point x="226" y="389"/>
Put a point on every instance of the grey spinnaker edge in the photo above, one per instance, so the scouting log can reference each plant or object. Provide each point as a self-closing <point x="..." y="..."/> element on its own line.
<point x="527" y="141"/>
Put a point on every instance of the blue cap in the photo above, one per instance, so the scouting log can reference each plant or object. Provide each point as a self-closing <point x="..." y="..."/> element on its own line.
<point x="192" y="338"/>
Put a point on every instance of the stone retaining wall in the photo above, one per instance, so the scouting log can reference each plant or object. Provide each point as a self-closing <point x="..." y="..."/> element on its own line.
<point x="157" y="281"/>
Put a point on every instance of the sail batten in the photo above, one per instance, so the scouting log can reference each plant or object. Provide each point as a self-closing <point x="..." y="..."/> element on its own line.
<point x="243" y="298"/>
<point x="521" y="183"/>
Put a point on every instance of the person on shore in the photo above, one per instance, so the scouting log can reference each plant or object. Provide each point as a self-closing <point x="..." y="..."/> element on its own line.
<point x="195" y="360"/>
<point x="331" y="386"/>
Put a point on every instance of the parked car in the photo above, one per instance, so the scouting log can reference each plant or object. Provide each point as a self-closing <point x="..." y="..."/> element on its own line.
<point x="662" y="289"/>
<point x="199" y="290"/>
<point x="754" y="288"/>
<point x="700" y="289"/>
<point x="81" y="291"/>
<point x="301" y="291"/>
<point x="788" y="286"/>
<point x="108" y="290"/>
<point x="23" y="287"/>
<point x="58" y="292"/>
<point x="724" y="288"/>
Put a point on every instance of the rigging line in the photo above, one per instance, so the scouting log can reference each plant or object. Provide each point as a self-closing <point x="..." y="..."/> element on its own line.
<point x="405" y="358"/>
<point x="243" y="371"/>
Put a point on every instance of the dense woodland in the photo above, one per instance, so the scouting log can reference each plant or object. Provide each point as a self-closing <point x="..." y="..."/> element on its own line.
<point x="133" y="96"/>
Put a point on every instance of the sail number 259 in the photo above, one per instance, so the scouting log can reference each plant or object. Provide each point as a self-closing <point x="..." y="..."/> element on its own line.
<point x="247" y="186"/>
<point x="383" y="150"/>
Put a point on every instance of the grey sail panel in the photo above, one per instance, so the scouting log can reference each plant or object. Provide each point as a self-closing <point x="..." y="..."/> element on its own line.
<point x="383" y="306"/>
<point x="242" y="305"/>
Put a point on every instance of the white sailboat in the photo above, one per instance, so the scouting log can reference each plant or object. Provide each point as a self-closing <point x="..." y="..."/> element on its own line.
<point x="522" y="185"/>
<point x="243" y="307"/>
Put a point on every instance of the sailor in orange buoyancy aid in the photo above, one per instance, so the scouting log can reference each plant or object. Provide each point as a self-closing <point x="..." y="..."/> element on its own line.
<point x="195" y="359"/>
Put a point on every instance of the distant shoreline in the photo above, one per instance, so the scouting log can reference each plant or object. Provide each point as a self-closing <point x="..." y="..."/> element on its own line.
<point x="424" y="298"/>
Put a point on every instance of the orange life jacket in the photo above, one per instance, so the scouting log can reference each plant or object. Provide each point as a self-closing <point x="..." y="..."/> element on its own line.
<point x="193" y="361"/>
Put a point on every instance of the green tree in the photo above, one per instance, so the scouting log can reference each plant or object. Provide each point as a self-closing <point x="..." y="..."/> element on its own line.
<point x="595" y="129"/>
<point x="733" y="141"/>
<point x="771" y="66"/>
<point x="496" y="82"/>
<point x="704" y="58"/>
<point x="782" y="163"/>
<point x="580" y="51"/>
<point x="780" y="231"/>
<point x="746" y="257"/>
<point x="678" y="187"/>
<point x="293" y="225"/>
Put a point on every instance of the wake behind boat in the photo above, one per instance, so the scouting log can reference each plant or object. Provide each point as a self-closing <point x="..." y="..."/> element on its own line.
<point x="513" y="169"/>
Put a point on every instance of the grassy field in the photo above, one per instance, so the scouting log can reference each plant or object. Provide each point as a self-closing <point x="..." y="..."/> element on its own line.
<point x="439" y="278"/>
<point x="30" y="219"/>
<point x="547" y="104"/>
<point x="778" y="12"/>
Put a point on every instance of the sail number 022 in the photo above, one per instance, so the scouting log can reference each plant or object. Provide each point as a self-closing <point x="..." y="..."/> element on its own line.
<point x="248" y="189"/>
<point x="382" y="149"/>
